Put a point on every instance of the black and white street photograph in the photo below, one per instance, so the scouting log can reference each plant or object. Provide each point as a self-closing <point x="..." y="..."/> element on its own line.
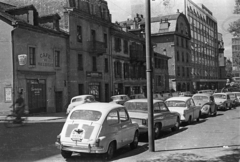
<point x="120" y="80"/>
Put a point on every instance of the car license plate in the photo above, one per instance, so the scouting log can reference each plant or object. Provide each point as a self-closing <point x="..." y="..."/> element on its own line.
<point x="77" y="135"/>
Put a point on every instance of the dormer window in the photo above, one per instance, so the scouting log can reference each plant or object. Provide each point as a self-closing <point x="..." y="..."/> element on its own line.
<point x="164" y="24"/>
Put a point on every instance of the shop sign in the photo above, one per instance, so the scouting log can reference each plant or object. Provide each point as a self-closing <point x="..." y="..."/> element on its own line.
<point x="46" y="59"/>
<point x="94" y="74"/>
<point x="8" y="94"/>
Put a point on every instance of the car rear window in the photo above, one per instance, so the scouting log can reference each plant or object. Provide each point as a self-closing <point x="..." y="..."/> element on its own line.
<point x="175" y="103"/>
<point x="200" y="98"/>
<point x="219" y="96"/>
<point x="136" y="106"/>
<point x="77" y="99"/>
<point x="90" y="115"/>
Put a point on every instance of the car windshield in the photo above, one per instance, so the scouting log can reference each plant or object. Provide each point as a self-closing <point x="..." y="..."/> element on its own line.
<point x="219" y="96"/>
<point x="136" y="106"/>
<point x="90" y="115"/>
<point x="200" y="98"/>
<point x="77" y="99"/>
<point x="175" y="103"/>
<point x="117" y="98"/>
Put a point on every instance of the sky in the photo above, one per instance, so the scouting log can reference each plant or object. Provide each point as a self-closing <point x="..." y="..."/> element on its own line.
<point x="222" y="10"/>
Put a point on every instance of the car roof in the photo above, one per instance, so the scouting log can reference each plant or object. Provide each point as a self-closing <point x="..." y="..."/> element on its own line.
<point x="235" y="92"/>
<point x="223" y="93"/>
<point x="119" y="95"/>
<point x="82" y="96"/>
<point x="100" y="106"/>
<point x="143" y="100"/>
<point x="202" y="94"/>
<point x="182" y="98"/>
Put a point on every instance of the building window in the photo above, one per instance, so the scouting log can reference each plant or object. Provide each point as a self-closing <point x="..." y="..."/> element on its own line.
<point x="183" y="71"/>
<point x="183" y="57"/>
<point x="178" y="71"/>
<point x="80" y="89"/>
<point x="126" y="70"/>
<point x="159" y="80"/>
<point x="80" y="62"/>
<point x="186" y="43"/>
<point x="125" y="46"/>
<point x="178" y="56"/>
<point x="182" y="41"/>
<point x="187" y="59"/>
<point x="32" y="55"/>
<point x="187" y="72"/>
<point x="105" y="40"/>
<point x="94" y="63"/>
<point x="79" y="33"/>
<point x="93" y="35"/>
<point x="177" y="41"/>
<point x="117" y="44"/>
<point x="106" y="65"/>
<point x="118" y="69"/>
<point x="57" y="58"/>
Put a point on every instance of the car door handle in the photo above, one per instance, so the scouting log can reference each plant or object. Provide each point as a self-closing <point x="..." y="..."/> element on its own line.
<point x="124" y="126"/>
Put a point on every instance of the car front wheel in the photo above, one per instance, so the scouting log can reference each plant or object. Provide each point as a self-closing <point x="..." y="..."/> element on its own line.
<point x="134" y="143"/>
<point x="177" y="125"/>
<point x="66" y="154"/>
<point x="157" y="130"/>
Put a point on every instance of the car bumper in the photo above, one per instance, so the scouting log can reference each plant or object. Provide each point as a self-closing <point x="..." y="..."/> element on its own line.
<point x="80" y="148"/>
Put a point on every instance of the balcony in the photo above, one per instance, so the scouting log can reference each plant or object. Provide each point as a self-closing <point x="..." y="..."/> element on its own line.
<point x="96" y="47"/>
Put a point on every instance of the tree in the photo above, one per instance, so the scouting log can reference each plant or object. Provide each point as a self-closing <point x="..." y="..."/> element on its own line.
<point x="234" y="27"/>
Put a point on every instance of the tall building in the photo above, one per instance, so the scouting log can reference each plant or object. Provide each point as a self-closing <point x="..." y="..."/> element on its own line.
<point x="204" y="42"/>
<point x="236" y="56"/>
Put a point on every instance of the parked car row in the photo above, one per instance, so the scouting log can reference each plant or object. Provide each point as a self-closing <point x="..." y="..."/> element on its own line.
<point x="101" y="128"/>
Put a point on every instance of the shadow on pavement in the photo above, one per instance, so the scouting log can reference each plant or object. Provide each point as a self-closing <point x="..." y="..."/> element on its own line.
<point x="31" y="142"/>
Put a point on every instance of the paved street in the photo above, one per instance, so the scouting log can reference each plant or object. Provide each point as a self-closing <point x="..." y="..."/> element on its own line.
<point x="214" y="139"/>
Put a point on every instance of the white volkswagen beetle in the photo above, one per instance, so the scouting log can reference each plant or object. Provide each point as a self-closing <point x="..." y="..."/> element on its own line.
<point x="97" y="128"/>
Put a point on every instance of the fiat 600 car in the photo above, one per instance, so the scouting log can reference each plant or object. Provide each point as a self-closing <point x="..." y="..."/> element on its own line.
<point x="98" y="128"/>
<point x="184" y="106"/>
<point x="207" y="102"/>
<point x="163" y="118"/>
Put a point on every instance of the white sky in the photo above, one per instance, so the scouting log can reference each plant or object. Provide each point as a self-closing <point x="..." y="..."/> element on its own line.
<point x="222" y="10"/>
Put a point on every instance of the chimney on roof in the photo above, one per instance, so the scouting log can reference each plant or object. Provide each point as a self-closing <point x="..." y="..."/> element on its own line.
<point x="177" y="10"/>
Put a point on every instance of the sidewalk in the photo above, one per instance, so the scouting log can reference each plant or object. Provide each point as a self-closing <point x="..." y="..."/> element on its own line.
<point x="40" y="116"/>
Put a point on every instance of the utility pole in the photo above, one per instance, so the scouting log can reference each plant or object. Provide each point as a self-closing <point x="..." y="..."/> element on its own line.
<point x="149" y="75"/>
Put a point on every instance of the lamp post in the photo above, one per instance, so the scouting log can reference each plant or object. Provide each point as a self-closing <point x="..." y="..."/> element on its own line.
<point x="149" y="76"/>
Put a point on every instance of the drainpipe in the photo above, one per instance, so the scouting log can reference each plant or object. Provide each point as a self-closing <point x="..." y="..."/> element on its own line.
<point x="13" y="67"/>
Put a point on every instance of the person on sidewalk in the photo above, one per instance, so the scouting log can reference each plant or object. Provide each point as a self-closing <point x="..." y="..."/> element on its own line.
<point x="20" y="107"/>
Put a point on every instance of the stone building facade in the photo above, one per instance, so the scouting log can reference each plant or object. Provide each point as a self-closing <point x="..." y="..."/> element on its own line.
<point x="42" y="76"/>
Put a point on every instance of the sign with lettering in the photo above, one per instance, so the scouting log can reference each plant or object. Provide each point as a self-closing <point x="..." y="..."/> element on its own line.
<point x="46" y="59"/>
<point x="94" y="74"/>
<point x="8" y="94"/>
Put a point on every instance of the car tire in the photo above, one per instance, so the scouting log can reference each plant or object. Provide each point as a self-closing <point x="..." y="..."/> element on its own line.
<point x="198" y="119"/>
<point x="189" y="120"/>
<point x="134" y="143"/>
<point x="176" y="126"/>
<point x="66" y="154"/>
<point x="111" y="151"/>
<point x="157" y="130"/>
<point x="230" y="107"/>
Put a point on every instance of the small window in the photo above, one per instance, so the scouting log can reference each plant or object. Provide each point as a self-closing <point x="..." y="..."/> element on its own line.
<point x="80" y="62"/>
<point x="106" y="65"/>
<point x="105" y="41"/>
<point x="57" y="58"/>
<point x="123" y="115"/>
<point x="94" y="63"/>
<point x="112" y="118"/>
<point x="32" y="56"/>
<point x="79" y="33"/>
